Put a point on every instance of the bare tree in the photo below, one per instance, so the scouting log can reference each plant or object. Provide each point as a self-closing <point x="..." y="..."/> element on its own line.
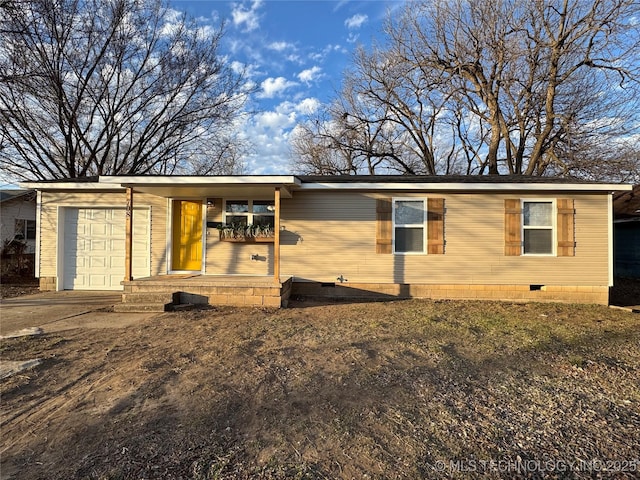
<point x="315" y="150"/>
<point x="95" y="87"/>
<point x="502" y="86"/>
<point x="354" y="135"/>
<point x="535" y="73"/>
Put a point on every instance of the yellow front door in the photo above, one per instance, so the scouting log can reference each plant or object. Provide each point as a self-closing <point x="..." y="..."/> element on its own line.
<point x="187" y="235"/>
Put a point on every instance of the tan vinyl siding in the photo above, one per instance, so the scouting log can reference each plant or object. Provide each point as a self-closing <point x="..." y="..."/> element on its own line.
<point x="159" y="209"/>
<point x="224" y="258"/>
<point x="329" y="234"/>
<point x="52" y="201"/>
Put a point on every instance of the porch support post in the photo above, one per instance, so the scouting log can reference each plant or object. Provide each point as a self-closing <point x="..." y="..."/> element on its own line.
<point x="276" y="240"/>
<point x="128" y="244"/>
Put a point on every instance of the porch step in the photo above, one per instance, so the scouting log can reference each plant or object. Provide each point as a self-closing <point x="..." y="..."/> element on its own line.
<point x="170" y="293"/>
<point x="152" y="307"/>
<point x="140" y="307"/>
<point x="150" y="297"/>
<point x="148" y="302"/>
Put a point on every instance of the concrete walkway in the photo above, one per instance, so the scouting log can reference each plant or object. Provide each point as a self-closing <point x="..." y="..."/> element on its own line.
<point x="56" y="311"/>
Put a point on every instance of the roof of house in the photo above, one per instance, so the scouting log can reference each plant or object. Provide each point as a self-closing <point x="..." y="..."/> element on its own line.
<point x="497" y="179"/>
<point x="626" y="205"/>
<point x="199" y="183"/>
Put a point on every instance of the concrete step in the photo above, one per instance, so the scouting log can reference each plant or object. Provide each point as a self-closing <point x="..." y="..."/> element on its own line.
<point x="150" y="297"/>
<point x="144" y="288"/>
<point x="140" y="307"/>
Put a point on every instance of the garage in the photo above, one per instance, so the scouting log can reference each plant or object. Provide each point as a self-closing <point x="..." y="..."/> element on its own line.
<point x="94" y="247"/>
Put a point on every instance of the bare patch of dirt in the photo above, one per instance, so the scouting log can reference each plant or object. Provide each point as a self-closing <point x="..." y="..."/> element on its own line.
<point x="404" y="389"/>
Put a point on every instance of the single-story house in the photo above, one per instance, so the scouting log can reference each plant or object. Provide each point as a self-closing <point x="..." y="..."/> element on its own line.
<point x="626" y="233"/>
<point x="18" y="217"/>
<point x="473" y="237"/>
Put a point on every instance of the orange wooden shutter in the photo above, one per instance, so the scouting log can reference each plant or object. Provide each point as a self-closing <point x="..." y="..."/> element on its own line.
<point x="435" y="226"/>
<point x="566" y="228"/>
<point x="384" y="226"/>
<point x="512" y="227"/>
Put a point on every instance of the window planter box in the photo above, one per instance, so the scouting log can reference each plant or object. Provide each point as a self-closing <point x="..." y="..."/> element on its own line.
<point x="249" y="240"/>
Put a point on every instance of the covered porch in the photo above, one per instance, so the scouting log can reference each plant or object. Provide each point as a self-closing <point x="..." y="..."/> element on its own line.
<point x="173" y="292"/>
<point x="221" y="246"/>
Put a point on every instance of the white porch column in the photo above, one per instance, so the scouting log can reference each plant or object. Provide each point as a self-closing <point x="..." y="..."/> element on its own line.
<point x="276" y="240"/>
<point x="128" y="270"/>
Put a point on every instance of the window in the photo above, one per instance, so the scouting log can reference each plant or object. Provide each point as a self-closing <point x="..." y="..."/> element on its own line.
<point x="408" y="226"/>
<point x="237" y="212"/>
<point x="540" y="227"/>
<point x="250" y="212"/>
<point x="537" y="227"/>
<point x="263" y="213"/>
<point x="25" y="229"/>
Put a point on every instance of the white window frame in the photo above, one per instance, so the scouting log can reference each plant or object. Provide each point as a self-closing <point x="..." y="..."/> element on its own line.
<point x="552" y="227"/>
<point x="422" y="225"/>
<point x="250" y="212"/>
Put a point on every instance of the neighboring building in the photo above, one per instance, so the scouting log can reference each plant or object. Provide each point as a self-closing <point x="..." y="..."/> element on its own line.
<point x="18" y="217"/>
<point x="626" y="233"/>
<point x="486" y="237"/>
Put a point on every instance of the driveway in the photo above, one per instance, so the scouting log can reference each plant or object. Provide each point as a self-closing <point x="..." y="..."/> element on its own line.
<point x="56" y="311"/>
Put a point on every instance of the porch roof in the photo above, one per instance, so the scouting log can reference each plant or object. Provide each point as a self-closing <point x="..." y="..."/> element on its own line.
<point x="187" y="186"/>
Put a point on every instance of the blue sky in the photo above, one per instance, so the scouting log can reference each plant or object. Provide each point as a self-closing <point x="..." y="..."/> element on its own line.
<point x="295" y="52"/>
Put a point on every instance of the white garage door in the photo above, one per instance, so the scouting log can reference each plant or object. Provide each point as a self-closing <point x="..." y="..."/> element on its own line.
<point x="94" y="247"/>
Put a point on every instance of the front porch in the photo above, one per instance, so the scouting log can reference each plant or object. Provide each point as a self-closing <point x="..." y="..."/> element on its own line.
<point x="170" y="292"/>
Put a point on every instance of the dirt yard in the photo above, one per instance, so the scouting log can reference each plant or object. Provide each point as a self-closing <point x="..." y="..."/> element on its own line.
<point x="404" y="389"/>
<point x="17" y="286"/>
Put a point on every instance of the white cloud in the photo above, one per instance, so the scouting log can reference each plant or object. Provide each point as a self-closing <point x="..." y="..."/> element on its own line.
<point x="310" y="74"/>
<point x="320" y="56"/>
<point x="172" y="22"/>
<point x="270" y="132"/>
<point x="234" y="45"/>
<point x="238" y="67"/>
<point x="274" y="86"/>
<point x="356" y="21"/>
<point x="248" y="70"/>
<point x="173" y="15"/>
<point x="276" y="121"/>
<point x="308" y="106"/>
<point x="280" y="46"/>
<point x="248" y="17"/>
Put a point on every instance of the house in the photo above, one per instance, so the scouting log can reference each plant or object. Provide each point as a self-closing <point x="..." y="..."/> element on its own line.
<point x="168" y="239"/>
<point x="18" y="217"/>
<point x="626" y="233"/>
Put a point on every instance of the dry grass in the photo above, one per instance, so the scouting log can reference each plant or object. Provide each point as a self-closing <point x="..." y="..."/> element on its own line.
<point x="405" y="389"/>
